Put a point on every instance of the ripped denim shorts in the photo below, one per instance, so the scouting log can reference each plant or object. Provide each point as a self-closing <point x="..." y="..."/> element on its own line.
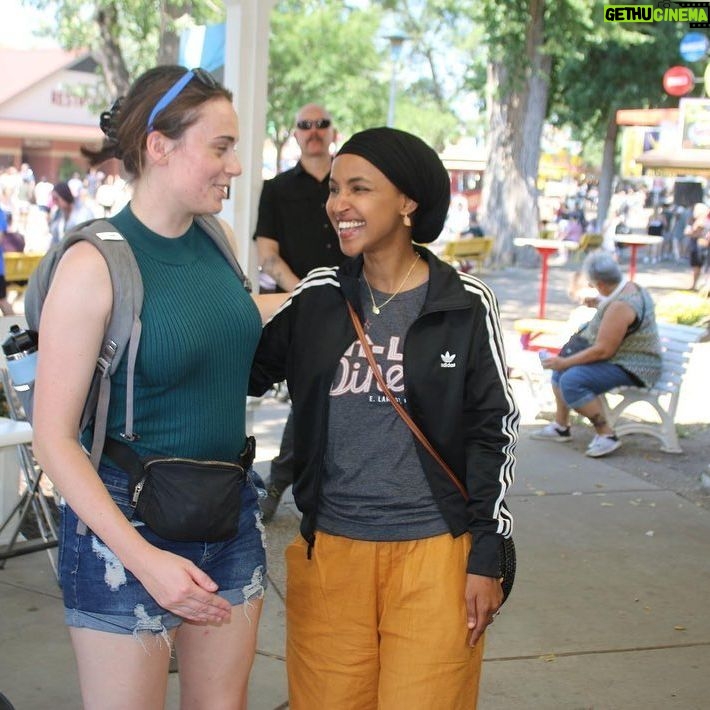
<point x="99" y="593"/>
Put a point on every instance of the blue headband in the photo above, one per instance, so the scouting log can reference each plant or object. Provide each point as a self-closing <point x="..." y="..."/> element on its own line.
<point x="169" y="96"/>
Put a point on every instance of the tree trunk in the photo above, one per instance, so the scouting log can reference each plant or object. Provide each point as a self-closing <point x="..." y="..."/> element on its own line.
<point x="109" y="54"/>
<point x="108" y="50"/>
<point x="516" y="111"/>
<point x="606" y="177"/>
<point x="169" y="39"/>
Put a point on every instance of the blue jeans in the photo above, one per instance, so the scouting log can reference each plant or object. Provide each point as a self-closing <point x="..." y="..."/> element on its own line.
<point x="100" y="593"/>
<point x="582" y="383"/>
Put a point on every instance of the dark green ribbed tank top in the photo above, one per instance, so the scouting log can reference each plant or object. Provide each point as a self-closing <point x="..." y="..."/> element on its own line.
<point x="200" y="331"/>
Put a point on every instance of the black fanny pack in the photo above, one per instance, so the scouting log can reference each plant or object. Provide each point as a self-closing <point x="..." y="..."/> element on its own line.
<point x="575" y="344"/>
<point x="185" y="499"/>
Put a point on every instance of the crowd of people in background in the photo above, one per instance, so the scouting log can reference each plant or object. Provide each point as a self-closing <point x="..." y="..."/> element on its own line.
<point x="652" y="209"/>
<point x="684" y="228"/>
<point x="36" y="213"/>
<point x="683" y="224"/>
<point x="39" y="210"/>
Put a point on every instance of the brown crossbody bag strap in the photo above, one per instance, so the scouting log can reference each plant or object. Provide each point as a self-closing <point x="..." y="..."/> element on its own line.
<point x="507" y="551"/>
<point x="398" y="407"/>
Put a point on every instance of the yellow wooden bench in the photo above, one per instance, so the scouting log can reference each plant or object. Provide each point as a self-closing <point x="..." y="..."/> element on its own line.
<point x="18" y="267"/>
<point x="461" y="251"/>
<point x="591" y="240"/>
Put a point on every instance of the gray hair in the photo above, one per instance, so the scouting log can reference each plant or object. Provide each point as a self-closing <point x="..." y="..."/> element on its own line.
<point x="601" y="266"/>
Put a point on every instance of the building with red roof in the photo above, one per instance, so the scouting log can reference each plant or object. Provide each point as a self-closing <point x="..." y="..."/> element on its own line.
<point x="48" y="100"/>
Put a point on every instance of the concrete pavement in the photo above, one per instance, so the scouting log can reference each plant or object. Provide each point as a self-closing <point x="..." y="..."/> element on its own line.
<point x="609" y="610"/>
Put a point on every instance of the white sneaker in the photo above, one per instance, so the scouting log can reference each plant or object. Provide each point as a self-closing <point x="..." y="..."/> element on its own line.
<point x="602" y="445"/>
<point x="553" y="432"/>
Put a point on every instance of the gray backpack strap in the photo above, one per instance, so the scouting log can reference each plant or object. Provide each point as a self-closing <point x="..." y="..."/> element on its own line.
<point x="123" y="325"/>
<point x="136" y="330"/>
<point x="122" y="333"/>
<point x="216" y="232"/>
<point x="100" y="417"/>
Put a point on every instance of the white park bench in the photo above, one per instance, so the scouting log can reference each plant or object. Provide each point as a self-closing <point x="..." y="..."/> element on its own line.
<point x="677" y="342"/>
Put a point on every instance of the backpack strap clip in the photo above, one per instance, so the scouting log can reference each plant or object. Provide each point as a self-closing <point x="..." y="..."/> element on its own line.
<point x="106" y="356"/>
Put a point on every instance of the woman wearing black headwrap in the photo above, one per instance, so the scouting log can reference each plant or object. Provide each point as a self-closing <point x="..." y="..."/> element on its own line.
<point x="394" y="577"/>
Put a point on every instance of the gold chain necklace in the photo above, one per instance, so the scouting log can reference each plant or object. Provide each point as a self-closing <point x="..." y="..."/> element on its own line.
<point x="375" y="308"/>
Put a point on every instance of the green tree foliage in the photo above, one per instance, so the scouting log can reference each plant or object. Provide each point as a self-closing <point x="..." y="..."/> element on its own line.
<point x="617" y="66"/>
<point x="126" y="36"/>
<point x="524" y="38"/>
<point x="423" y="117"/>
<point x="324" y="52"/>
<point x="532" y="60"/>
<point x="444" y="52"/>
<point x="328" y="51"/>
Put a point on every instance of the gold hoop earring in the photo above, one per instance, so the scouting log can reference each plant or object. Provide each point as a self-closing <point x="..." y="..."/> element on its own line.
<point x="406" y="220"/>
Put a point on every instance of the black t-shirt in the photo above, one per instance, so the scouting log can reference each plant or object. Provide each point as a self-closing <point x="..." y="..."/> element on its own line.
<point x="292" y="212"/>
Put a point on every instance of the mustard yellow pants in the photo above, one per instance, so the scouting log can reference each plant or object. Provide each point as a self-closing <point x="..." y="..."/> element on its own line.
<point x="379" y="625"/>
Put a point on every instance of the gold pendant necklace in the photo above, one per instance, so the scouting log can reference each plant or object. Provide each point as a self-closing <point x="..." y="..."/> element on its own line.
<point x="375" y="308"/>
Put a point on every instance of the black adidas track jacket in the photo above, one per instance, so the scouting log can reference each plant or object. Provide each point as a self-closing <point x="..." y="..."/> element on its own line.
<point x="455" y="382"/>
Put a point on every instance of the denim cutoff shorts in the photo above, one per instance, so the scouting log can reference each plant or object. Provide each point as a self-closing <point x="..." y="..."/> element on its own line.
<point x="100" y="593"/>
<point x="583" y="383"/>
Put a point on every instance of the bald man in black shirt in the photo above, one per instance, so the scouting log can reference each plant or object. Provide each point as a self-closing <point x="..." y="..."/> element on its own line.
<point x="293" y="233"/>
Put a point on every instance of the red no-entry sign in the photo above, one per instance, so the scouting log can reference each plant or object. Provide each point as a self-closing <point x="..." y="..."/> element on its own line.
<point x="678" y="81"/>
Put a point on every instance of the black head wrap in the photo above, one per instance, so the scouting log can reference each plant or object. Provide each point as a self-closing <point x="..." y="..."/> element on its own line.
<point x="412" y="167"/>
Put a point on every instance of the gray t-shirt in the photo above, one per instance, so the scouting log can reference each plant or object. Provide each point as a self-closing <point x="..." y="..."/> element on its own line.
<point x="374" y="487"/>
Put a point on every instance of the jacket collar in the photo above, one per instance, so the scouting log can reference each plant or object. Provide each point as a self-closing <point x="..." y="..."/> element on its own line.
<point x="445" y="292"/>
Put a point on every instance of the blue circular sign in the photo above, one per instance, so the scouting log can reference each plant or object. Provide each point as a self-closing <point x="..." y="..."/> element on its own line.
<point x="694" y="46"/>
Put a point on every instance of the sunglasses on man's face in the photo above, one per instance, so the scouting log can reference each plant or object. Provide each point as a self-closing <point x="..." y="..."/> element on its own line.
<point x="318" y="123"/>
<point x="202" y="75"/>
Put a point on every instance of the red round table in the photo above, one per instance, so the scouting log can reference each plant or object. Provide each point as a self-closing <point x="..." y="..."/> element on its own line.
<point x="634" y="241"/>
<point x="544" y="247"/>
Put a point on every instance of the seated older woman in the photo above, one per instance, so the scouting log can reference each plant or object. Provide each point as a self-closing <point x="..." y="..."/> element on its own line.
<point x="622" y="349"/>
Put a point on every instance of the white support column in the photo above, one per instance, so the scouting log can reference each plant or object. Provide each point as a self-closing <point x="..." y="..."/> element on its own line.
<point x="245" y="73"/>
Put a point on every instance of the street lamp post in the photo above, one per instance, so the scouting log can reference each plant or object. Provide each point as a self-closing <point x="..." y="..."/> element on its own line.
<point x="396" y="42"/>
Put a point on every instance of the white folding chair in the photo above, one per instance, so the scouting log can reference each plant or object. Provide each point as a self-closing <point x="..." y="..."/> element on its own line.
<point x="33" y="505"/>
